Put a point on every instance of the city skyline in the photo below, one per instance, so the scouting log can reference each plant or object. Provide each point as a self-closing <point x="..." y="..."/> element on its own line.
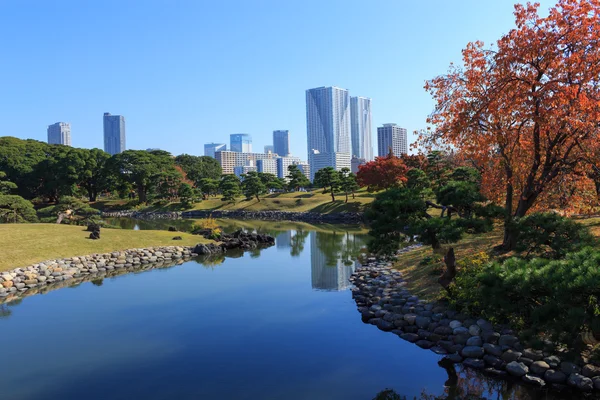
<point x="114" y="133"/>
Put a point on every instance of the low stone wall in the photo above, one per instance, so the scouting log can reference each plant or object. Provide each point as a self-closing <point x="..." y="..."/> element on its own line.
<point x="53" y="274"/>
<point x="333" y="218"/>
<point x="384" y="301"/>
<point x="313" y="217"/>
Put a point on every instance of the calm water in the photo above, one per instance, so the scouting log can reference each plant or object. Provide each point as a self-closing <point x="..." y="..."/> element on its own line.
<point x="272" y="324"/>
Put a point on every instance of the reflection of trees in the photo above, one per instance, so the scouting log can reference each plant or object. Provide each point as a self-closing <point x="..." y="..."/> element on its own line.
<point x="339" y="246"/>
<point x="297" y="242"/>
<point x="5" y="312"/>
<point x="97" y="282"/>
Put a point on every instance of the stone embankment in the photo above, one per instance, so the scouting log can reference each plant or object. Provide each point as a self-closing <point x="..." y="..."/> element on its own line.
<point x="54" y="274"/>
<point x="312" y="217"/>
<point x="384" y="301"/>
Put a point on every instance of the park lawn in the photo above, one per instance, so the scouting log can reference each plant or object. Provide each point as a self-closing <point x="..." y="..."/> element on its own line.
<point x="25" y="244"/>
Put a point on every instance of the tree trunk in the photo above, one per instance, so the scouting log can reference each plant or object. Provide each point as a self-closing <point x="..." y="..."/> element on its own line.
<point x="346" y="197"/>
<point x="509" y="241"/>
<point x="450" y="272"/>
<point x="142" y="193"/>
<point x="332" y="195"/>
<point x="257" y="198"/>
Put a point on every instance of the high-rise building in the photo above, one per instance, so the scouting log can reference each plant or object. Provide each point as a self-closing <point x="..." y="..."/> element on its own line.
<point x="391" y="136"/>
<point x="305" y="169"/>
<point x="269" y="148"/>
<point x="114" y="133"/>
<point x="59" y="133"/>
<point x="241" y="142"/>
<point x="335" y="160"/>
<point x="360" y="127"/>
<point x="356" y="162"/>
<point x="211" y="148"/>
<point x="230" y="159"/>
<point x="267" y="166"/>
<point x="283" y="163"/>
<point x="328" y="272"/>
<point x="327" y="123"/>
<point x="281" y="143"/>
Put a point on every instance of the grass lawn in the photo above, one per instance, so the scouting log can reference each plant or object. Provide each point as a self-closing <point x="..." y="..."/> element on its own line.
<point x="24" y="244"/>
<point x="314" y="201"/>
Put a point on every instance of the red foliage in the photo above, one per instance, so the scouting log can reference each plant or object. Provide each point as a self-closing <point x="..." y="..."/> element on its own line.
<point x="383" y="173"/>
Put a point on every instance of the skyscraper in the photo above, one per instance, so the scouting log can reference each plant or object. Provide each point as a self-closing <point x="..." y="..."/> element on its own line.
<point x="327" y="123"/>
<point x="114" y="133"/>
<point x="361" y="129"/>
<point x="241" y="142"/>
<point x="211" y="148"/>
<point x="391" y="136"/>
<point x="59" y="133"/>
<point x="281" y="143"/>
<point x="269" y="148"/>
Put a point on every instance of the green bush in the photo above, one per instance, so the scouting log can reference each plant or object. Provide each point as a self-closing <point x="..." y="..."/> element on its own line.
<point x="554" y="298"/>
<point x="15" y="209"/>
<point x="549" y="235"/>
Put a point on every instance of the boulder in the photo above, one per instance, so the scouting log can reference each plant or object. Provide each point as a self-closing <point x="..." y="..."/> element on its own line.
<point x="539" y="367"/>
<point x="590" y="371"/>
<point x="472" y="352"/>
<point x="507" y="340"/>
<point x="511" y="355"/>
<point x="517" y="369"/>
<point x="580" y="382"/>
<point x="534" y="380"/>
<point x="474" y="341"/>
<point x="474" y="363"/>
<point x="553" y="376"/>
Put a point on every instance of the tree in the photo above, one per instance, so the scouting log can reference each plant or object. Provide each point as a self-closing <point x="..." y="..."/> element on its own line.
<point x="198" y="168"/>
<point x="526" y="113"/>
<point x="18" y="159"/>
<point x="6" y="186"/>
<point x="186" y="194"/>
<point x="16" y="209"/>
<point x="296" y="179"/>
<point x="329" y="179"/>
<point x="252" y="185"/>
<point x="383" y="173"/>
<point x="417" y="179"/>
<point x="208" y="186"/>
<point x="348" y="182"/>
<point x="271" y="181"/>
<point x="230" y="187"/>
<point x="95" y="176"/>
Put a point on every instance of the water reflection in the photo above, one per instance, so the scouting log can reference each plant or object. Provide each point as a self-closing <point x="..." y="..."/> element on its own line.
<point x="333" y="260"/>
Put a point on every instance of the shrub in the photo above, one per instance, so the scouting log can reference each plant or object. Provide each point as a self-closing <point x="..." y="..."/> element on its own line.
<point x="208" y="224"/>
<point x="555" y="298"/>
<point x="549" y="235"/>
<point x="15" y="209"/>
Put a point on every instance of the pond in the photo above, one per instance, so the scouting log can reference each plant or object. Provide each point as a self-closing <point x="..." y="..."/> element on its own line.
<point x="278" y="323"/>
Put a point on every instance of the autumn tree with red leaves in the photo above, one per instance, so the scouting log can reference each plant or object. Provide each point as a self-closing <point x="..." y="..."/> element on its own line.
<point x="382" y="173"/>
<point x="526" y="112"/>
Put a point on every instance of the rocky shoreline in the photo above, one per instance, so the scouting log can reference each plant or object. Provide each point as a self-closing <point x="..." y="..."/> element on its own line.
<point x="311" y="217"/>
<point x="383" y="300"/>
<point x="54" y="274"/>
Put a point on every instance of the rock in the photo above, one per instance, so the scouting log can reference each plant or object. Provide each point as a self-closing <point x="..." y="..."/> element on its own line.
<point x="422" y="322"/>
<point x="590" y="371"/>
<point x="410" y="318"/>
<point x="510" y="355"/>
<point x="552" y="361"/>
<point x="534" y="380"/>
<point x="474" y="330"/>
<point x="492" y="349"/>
<point x="439" y="350"/>
<point x="455" y="324"/>
<point x="172" y="229"/>
<point x="424" y="344"/>
<point x="177" y="238"/>
<point x="516" y="368"/>
<point x="493" y="361"/>
<point x="507" y="340"/>
<point x="95" y="235"/>
<point x="410" y="337"/>
<point x="474" y="363"/>
<point x="534" y="355"/>
<point x="580" y="382"/>
<point x="539" y="367"/>
<point x="443" y="330"/>
<point x="461" y="339"/>
<point x="484" y="325"/>
<point x="569" y="368"/>
<point x="474" y="341"/>
<point x="490" y="337"/>
<point x="453" y="358"/>
<point x="553" y="376"/>
<point x="472" y="352"/>
<point x="596" y="381"/>
<point x="461" y="331"/>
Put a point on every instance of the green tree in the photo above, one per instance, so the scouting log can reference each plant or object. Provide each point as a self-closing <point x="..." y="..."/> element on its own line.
<point x="95" y="176"/>
<point x="6" y="186"/>
<point x="348" y="182"/>
<point x="296" y="179"/>
<point x="198" y="168"/>
<point x="208" y="187"/>
<point x="59" y="173"/>
<point x="459" y="196"/>
<point x="19" y="159"/>
<point x="271" y="181"/>
<point x="252" y="185"/>
<point x="186" y="194"/>
<point x="16" y="209"/>
<point x="78" y="211"/>
<point x="328" y="179"/>
<point x="230" y="187"/>
<point x="418" y="180"/>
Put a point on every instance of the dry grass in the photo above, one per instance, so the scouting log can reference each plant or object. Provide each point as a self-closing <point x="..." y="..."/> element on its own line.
<point x="24" y="244"/>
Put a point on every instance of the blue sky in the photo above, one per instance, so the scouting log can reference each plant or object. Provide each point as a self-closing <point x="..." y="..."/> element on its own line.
<point x="184" y="73"/>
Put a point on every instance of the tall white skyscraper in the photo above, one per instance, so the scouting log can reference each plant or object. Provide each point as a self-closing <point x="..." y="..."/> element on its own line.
<point x="241" y="142"/>
<point x="391" y="136"/>
<point x="281" y="143"/>
<point x="114" y="133"/>
<point x="211" y="148"/>
<point x="327" y="123"/>
<point x="361" y="129"/>
<point x="59" y="133"/>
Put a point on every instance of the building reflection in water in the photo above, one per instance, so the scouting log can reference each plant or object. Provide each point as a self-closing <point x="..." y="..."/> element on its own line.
<point x="333" y="259"/>
<point x="283" y="240"/>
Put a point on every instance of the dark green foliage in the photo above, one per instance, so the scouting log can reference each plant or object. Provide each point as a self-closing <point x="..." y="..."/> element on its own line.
<point x="198" y="168"/>
<point x="79" y="210"/>
<point x="94" y="176"/>
<point x="466" y="174"/>
<point x="558" y="298"/>
<point x="417" y="179"/>
<point x="271" y="181"/>
<point x="437" y="231"/>
<point x="296" y="179"/>
<point x="15" y="209"/>
<point x="348" y="182"/>
<point x="6" y="187"/>
<point x="549" y="235"/>
<point x="253" y="186"/>
<point x="460" y="195"/>
<point x="392" y="214"/>
<point x="208" y="187"/>
<point x="328" y="179"/>
<point x="186" y="194"/>
<point x="230" y="187"/>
